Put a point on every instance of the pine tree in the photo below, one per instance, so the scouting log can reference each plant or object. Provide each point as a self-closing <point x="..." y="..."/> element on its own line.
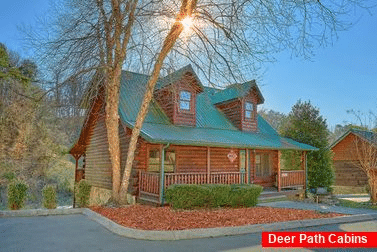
<point x="306" y="125"/>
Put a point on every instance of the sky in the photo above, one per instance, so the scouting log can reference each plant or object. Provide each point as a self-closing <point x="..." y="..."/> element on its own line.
<point x="338" y="78"/>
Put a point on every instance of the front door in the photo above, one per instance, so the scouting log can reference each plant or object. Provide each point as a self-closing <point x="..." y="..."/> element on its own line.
<point x="263" y="169"/>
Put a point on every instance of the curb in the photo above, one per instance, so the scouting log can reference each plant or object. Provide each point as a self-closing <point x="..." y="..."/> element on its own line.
<point x="217" y="232"/>
<point x="189" y="233"/>
<point x="40" y="212"/>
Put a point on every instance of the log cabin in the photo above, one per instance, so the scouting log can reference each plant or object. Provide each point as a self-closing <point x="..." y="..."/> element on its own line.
<point x="346" y="161"/>
<point x="192" y="134"/>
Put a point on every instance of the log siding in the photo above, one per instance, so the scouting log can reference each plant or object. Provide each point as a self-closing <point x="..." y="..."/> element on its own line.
<point x="347" y="171"/>
<point x="98" y="164"/>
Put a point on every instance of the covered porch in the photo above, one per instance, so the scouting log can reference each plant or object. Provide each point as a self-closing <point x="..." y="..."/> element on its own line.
<point x="262" y="167"/>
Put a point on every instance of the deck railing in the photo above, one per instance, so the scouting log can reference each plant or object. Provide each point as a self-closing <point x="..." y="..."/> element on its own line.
<point x="149" y="182"/>
<point x="292" y="178"/>
<point x="227" y="178"/>
<point x="185" y="178"/>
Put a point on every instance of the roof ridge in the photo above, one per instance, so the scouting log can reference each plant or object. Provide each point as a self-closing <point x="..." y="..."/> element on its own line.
<point x="131" y="72"/>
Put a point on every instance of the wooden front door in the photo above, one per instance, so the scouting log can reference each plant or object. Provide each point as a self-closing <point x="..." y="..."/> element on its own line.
<point x="263" y="173"/>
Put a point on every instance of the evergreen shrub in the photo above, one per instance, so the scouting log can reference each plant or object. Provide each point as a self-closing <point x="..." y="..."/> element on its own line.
<point x="212" y="196"/>
<point x="17" y="192"/>
<point x="49" y="197"/>
<point x="83" y="193"/>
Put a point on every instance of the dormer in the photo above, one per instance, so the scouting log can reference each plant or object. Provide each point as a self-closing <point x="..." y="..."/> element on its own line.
<point x="239" y="103"/>
<point x="176" y="94"/>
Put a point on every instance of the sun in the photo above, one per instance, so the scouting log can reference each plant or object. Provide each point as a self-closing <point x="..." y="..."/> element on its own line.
<point x="187" y="22"/>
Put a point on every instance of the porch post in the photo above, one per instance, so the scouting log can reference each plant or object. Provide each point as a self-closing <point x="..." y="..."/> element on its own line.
<point x="248" y="166"/>
<point x="77" y="157"/>
<point x="279" y="173"/>
<point x="162" y="175"/>
<point x="306" y="172"/>
<point x="253" y="166"/>
<point x="208" y="164"/>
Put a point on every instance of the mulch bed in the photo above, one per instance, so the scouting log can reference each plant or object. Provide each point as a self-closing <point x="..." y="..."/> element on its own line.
<point x="165" y="218"/>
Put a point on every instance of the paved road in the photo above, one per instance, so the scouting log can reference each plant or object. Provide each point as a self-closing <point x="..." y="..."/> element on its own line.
<point x="317" y="207"/>
<point x="77" y="233"/>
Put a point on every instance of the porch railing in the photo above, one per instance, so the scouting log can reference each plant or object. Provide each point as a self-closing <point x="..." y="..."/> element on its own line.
<point x="203" y="178"/>
<point x="227" y="178"/>
<point x="292" y="178"/>
<point x="185" y="178"/>
<point x="149" y="182"/>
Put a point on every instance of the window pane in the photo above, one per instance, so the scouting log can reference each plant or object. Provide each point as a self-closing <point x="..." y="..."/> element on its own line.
<point x="248" y="106"/>
<point x="154" y="160"/>
<point x="170" y="157"/>
<point x="247" y="113"/>
<point x="184" y="95"/>
<point x="257" y="159"/>
<point x="184" y="105"/>
<point x="242" y="159"/>
<point x="266" y="165"/>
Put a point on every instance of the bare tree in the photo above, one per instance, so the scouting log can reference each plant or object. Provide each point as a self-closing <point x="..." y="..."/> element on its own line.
<point x="186" y="11"/>
<point x="365" y="148"/>
<point x="366" y="156"/>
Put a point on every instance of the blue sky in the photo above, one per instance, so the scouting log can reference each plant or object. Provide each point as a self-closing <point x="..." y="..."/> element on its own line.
<point x="338" y="78"/>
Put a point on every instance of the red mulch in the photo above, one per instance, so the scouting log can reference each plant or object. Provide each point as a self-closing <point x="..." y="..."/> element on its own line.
<point x="164" y="218"/>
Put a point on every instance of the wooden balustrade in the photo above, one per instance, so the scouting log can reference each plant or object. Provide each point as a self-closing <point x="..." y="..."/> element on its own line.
<point x="185" y="178"/>
<point x="149" y="182"/>
<point x="227" y="178"/>
<point x="292" y="178"/>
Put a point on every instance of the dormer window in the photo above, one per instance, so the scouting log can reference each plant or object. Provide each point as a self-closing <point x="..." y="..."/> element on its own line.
<point x="185" y="100"/>
<point x="249" y="108"/>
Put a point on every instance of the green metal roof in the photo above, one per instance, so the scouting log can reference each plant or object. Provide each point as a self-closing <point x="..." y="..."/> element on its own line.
<point x="236" y="91"/>
<point x="177" y="75"/>
<point x="366" y="134"/>
<point x="212" y="127"/>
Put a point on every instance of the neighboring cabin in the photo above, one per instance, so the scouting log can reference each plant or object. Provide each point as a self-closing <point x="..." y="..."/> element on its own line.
<point x="346" y="163"/>
<point x="202" y="135"/>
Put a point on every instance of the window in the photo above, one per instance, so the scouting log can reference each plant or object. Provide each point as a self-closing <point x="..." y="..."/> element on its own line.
<point x="169" y="163"/>
<point x="154" y="160"/>
<point x="185" y="100"/>
<point x="154" y="163"/>
<point x="242" y="160"/>
<point x="263" y="165"/>
<point x="249" y="110"/>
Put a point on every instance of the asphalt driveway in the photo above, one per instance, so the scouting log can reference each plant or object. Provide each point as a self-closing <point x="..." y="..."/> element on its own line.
<point x="78" y="233"/>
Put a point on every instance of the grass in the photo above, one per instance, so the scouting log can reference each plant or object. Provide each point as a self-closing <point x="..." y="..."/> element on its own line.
<point x="353" y="204"/>
<point x="349" y="189"/>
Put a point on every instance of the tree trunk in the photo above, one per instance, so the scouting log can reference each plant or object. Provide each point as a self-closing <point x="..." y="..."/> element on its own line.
<point x="112" y="127"/>
<point x="186" y="10"/>
<point x="372" y="181"/>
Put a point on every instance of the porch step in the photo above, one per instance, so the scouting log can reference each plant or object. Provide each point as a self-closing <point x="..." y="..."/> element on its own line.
<point x="149" y="198"/>
<point x="269" y="199"/>
<point x="272" y="193"/>
<point x="148" y="201"/>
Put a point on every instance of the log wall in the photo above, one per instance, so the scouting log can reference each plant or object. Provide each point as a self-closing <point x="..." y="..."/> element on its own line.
<point x="347" y="172"/>
<point x="98" y="164"/>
